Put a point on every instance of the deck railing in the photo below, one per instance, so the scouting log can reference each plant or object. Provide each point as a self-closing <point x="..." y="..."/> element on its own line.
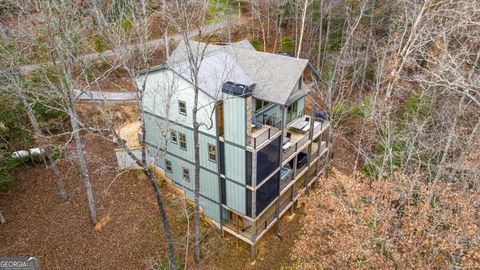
<point x="284" y="203"/>
<point x="263" y="137"/>
<point x="286" y="180"/>
<point x="294" y="148"/>
<point x="245" y="228"/>
<point x="262" y="226"/>
<point x="320" y="127"/>
<point x="274" y="126"/>
<point x="314" y="154"/>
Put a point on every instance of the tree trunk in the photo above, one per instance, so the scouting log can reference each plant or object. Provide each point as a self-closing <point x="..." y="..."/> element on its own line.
<point x="197" y="178"/>
<point x="302" y="29"/>
<point x="46" y="149"/>
<point x="163" y="215"/>
<point x="158" y="195"/>
<point x="83" y="163"/>
<point x="319" y="52"/>
<point x="143" y="164"/>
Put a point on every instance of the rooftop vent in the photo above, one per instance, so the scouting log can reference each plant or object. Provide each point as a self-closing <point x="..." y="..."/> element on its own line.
<point x="236" y="89"/>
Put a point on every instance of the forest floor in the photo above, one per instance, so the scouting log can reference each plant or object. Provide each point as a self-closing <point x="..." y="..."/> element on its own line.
<point x="129" y="233"/>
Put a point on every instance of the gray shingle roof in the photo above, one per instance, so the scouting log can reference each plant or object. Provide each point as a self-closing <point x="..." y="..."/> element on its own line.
<point x="216" y="68"/>
<point x="275" y="76"/>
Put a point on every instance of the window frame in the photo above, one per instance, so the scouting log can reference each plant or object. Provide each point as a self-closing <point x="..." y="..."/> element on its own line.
<point x="264" y="104"/>
<point x="293" y="108"/>
<point x="180" y="135"/>
<point x="173" y="136"/>
<point x="168" y="163"/>
<point x="182" y="104"/>
<point x="185" y="172"/>
<point x="214" y="152"/>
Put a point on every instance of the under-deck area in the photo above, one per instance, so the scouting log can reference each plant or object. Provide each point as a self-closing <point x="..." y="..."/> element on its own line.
<point x="252" y="230"/>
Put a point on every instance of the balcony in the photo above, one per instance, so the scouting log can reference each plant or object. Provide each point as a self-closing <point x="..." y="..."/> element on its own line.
<point x="299" y="187"/>
<point x="292" y="143"/>
<point x="318" y="149"/>
<point x="243" y="227"/>
<point x="286" y="176"/>
<point x="286" y="200"/>
<point x="320" y="127"/>
<point x="262" y="129"/>
<point x="266" y="220"/>
<point x="261" y="135"/>
<point x="311" y="174"/>
<point x="237" y="225"/>
<point x="297" y="135"/>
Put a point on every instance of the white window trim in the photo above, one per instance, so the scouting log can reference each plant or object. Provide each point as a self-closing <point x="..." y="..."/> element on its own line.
<point x="208" y="152"/>
<point x="176" y="136"/>
<point x="183" y="174"/>
<point x="180" y="141"/>
<point x="166" y="166"/>
<point x="180" y="107"/>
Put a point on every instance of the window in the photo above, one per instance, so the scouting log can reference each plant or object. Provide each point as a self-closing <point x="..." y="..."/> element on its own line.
<point x="168" y="166"/>
<point x="186" y="174"/>
<point x="212" y="152"/>
<point x="173" y="136"/>
<point x="260" y="104"/>
<point x="182" y="107"/>
<point x="292" y="108"/>
<point x="183" y="141"/>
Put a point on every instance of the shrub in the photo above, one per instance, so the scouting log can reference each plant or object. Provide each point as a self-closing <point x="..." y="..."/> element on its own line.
<point x="256" y="44"/>
<point x="287" y="44"/>
<point x="5" y="181"/>
<point x="100" y="45"/>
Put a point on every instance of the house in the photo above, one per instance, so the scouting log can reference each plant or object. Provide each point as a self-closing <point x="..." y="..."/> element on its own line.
<point x="259" y="147"/>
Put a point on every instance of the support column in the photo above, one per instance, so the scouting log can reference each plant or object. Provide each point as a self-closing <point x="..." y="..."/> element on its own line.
<point x="280" y="157"/>
<point x="253" y="253"/>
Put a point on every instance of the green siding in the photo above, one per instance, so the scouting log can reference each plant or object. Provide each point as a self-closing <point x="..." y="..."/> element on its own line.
<point x="163" y="91"/>
<point x="235" y="159"/>
<point x="234" y="119"/>
<point x="235" y="153"/>
<point x="153" y="124"/>
<point x="211" y="209"/>
<point x="209" y="184"/>
<point x="236" y="196"/>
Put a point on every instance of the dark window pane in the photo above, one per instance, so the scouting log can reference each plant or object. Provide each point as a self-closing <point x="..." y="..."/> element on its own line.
<point x="268" y="160"/>
<point x="249" y="168"/>
<point x="267" y="193"/>
<point x="224" y="190"/>
<point x="182" y="107"/>
<point x="222" y="158"/>
<point x="249" y="202"/>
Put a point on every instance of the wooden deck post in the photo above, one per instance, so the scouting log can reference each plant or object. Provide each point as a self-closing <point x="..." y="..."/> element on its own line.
<point x="253" y="253"/>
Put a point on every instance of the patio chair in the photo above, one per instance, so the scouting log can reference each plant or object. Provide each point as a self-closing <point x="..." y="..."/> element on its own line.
<point x="256" y="123"/>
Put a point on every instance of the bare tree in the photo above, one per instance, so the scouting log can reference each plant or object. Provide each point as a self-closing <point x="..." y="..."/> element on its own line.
<point x="134" y="59"/>
<point x="64" y="28"/>
<point x="11" y="60"/>
<point x="186" y="15"/>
